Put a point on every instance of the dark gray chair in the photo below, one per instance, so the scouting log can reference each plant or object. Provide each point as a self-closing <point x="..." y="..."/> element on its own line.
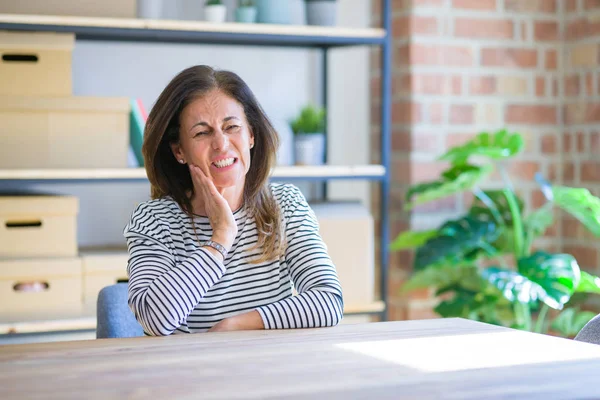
<point x="590" y="333"/>
<point x="114" y="318"/>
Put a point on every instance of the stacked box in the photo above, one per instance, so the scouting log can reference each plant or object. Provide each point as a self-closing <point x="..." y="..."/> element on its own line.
<point x="101" y="269"/>
<point x="43" y="125"/>
<point x="40" y="273"/>
<point x="347" y="230"/>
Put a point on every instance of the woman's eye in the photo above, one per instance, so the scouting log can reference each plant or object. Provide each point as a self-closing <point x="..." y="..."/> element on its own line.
<point x="200" y="133"/>
<point x="232" y="127"/>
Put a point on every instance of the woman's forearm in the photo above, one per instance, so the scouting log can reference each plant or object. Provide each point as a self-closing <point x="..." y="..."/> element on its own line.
<point x="242" y="322"/>
<point x="162" y="301"/>
<point x="310" y="309"/>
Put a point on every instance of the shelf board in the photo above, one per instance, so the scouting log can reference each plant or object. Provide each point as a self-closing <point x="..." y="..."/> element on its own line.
<point x="122" y="29"/>
<point x="89" y="323"/>
<point x="370" y="172"/>
<point x="62" y="325"/>
<point x="368" y="308"/>
<point x="325" y="172"/>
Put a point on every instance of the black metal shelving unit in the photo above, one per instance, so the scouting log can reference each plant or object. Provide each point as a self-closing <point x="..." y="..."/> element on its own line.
<point x="320" y="38"/>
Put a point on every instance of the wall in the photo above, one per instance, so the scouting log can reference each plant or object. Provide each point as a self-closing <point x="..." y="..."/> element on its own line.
<point x="282" y="79"/>
<point x="461" y="67"/>
<point x="581" y="140"/>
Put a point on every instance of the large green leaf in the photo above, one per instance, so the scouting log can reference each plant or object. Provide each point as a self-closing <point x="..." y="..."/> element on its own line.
<point x="460" y="305"/>
<point x="499" y="205"/>
<point x="581" y="204"/>
<point x="495" y="146"/>
<point x="570" y="321"/>
<point x="538" y="221"/>
<point x="505" y="244"/>
<point x="458" y="241"/>
<point x="514" y="286"/>
<point x="476" y="305"/>
<point x="588" y="284"/>
<point x="557" y="274"/>
<point x="411" y="239"/>
<point x="454" y="180"/>
<point x="443" y="277"/>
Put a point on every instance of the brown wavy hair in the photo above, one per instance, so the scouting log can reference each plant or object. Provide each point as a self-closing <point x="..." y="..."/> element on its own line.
<point x="169" y="178"/>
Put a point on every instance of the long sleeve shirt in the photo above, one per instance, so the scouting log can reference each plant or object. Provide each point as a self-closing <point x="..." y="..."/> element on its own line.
<point x="177" y="286"/>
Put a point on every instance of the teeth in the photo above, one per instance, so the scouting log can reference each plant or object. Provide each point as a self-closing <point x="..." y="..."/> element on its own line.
<point x="224" y="163"/>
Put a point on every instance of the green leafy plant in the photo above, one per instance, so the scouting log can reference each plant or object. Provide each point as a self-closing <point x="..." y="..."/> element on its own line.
<point x="213" y="3"/>
<point x="482" y="265"/>
<point x="310" y="120"/>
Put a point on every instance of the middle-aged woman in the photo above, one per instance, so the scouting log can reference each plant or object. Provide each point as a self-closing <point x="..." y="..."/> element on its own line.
<point x="218" y="248"/>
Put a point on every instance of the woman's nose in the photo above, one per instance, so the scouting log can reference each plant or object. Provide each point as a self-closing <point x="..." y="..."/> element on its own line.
<point x="220" y="140"/>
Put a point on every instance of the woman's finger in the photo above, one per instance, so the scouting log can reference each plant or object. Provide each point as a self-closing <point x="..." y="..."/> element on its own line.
<point x="207" y="182"/>
<point x="198" y="178"/>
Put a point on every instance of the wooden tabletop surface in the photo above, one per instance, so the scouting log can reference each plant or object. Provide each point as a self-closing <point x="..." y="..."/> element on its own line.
<point x="445" y="358"/>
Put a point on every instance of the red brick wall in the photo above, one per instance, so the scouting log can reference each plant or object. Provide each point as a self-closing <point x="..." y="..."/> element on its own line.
<point x="581" y="139"/>
<point x="464" y="66"/>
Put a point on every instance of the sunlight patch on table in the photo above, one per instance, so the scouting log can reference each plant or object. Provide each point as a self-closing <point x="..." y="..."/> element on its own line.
<point x="473" y="351"/>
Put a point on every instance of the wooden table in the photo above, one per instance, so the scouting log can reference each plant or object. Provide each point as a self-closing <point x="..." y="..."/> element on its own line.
<point x="449" y="358"/>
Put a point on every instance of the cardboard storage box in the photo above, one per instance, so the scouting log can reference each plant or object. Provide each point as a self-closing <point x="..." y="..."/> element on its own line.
<point x="347" y="230"/>
<point x="80" y="8"/>
<point x="67" y="132"/>
<point x="38" y="226"/>
<point x="40" y="289"/>
<point x="36" y="64"/>
<point x="101" y="269"/>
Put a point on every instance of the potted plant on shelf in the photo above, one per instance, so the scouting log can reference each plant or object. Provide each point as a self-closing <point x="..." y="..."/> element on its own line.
<point x="321" y="12"/>
<point x="309" y="136"/>
<point x="273" y="11"/>
<point x="215" y="11"/>
<point x="483" y="265"/>
<point x="149" y="9"/>
<point x="246" y="12"/>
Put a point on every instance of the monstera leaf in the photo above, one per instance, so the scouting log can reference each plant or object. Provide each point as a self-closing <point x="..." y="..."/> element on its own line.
<point x="492" y="204"/>
<point x="557" y="274"/>
<point x="581" y="204"/>
<point x="454" y="180"/>
<point x="458" y="241"/>
<point x="514" y="286"/>
<point x="538" y="221"/>
<point x="588" y="284"/>
<point x="476" y="305"/>
<point x="444" y="276"/>
<point x="571" y="321"/>
<point x="411" y="239"/>
<point x="495" y="146"/>
<point x="460" y="305"/>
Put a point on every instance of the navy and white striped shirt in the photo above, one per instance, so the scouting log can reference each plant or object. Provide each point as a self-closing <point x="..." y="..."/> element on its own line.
<point x="176" y="286"/>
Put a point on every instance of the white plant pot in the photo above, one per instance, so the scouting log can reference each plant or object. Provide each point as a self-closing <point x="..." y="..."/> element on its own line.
<point x="321" y="12"/>
<point x="298" y="12"/>
<point x="216" y="13"/>
<point x="150" y="9"/>
<point x="273" y="11"/>
<point x="309" y="149"/>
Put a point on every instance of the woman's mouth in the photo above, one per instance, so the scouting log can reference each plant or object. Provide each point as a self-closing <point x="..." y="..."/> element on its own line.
<point x="225" y="162"/>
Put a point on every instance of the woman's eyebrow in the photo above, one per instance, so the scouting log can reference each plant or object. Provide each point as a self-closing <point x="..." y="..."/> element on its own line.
<point x="202" y="123"/>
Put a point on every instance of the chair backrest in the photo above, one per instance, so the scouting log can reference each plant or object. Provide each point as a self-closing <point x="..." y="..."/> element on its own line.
<point x="590" y="333"/>
<point x="114" y="319"/>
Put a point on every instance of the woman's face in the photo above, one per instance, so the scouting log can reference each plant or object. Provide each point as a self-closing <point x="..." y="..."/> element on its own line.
<point x="214" y="135"/>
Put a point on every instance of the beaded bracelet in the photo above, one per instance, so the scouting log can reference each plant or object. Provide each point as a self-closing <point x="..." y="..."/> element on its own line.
<point x="217" y="247"/>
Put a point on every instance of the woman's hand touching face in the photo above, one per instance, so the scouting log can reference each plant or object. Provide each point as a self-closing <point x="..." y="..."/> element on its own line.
<point x="216" y="207"/>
